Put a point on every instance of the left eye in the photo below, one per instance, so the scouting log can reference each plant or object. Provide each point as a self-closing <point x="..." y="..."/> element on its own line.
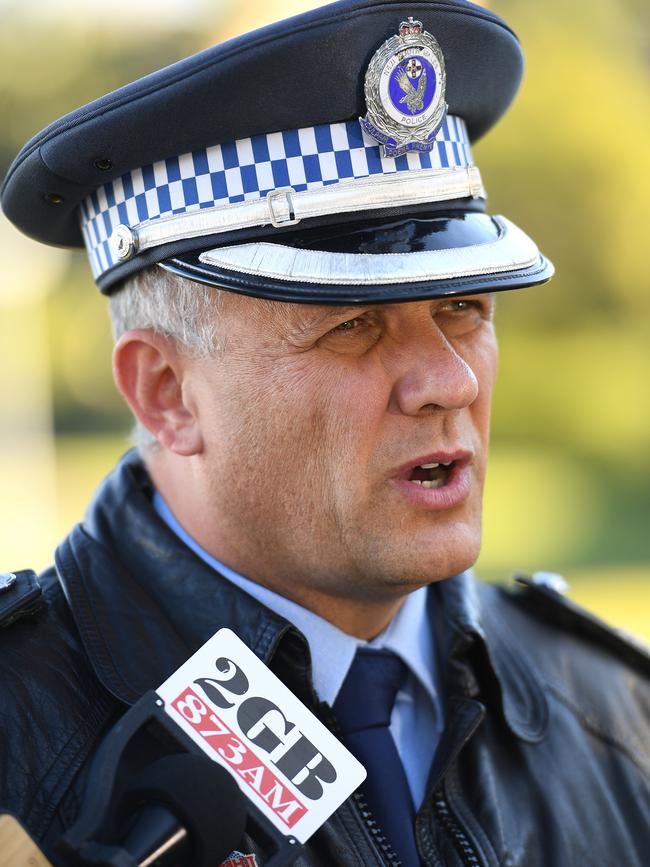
<point x="354" y="335"/>
<point x="348" y="325"/>
<point x="459" y="316"/>
<point x="476" y="307"/>
<point x="464" y="304"/>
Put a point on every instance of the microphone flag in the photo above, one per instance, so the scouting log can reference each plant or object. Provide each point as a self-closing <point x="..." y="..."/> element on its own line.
<point x="243" y="717"/>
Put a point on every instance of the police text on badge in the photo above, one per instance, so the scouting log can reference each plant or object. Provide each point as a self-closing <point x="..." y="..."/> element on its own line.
<point x="292" y="768"/>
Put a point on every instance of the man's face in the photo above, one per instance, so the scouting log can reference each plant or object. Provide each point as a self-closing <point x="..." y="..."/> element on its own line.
<point x="317" y="422"/>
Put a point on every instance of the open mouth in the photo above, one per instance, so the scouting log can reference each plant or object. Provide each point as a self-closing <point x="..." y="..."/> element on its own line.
<point x="431" y="475"/>
<point x="439" y="481"/>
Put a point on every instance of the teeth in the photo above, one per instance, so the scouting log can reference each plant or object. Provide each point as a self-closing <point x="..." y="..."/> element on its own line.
<point x="430" y="466"/>
<point x="447" y="464"/>
<point x="433" y="483"/>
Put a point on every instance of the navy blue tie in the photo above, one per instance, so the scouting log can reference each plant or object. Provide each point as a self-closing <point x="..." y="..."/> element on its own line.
<point x="363" y="709"/>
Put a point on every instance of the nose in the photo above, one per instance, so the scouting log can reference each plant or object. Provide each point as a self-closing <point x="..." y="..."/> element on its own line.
<point x="432" y="375"/>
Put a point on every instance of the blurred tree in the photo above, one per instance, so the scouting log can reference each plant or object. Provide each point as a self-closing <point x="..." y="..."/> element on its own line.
<point x="572" y="408"/>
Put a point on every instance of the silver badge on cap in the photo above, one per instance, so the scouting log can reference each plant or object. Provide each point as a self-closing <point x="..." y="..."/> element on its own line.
<point x="405" y="91"/>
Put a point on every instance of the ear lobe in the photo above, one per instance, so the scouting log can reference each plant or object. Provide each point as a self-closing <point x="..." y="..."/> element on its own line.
<point x="149" y="371"/>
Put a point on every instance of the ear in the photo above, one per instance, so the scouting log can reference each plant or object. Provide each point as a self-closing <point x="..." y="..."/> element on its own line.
<point x="149" y="372"/>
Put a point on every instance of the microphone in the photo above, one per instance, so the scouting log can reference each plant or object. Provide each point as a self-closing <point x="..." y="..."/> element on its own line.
<point x="239" y="725"/>
<point x="153" y="798"/>
<point x="184" y="810"/>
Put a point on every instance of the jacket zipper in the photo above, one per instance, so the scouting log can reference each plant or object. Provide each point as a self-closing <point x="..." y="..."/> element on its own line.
<point x="371" y="824"/>
<point x="389" y="855"/>
<point x="448" y="821"/>
<point x="442" y="810"/>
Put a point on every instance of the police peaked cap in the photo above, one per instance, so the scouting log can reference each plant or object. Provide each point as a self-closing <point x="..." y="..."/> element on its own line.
<point x="324" y="159"/>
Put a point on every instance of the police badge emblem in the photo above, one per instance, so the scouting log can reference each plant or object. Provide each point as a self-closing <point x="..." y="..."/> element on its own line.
<point x="405" y="91"/>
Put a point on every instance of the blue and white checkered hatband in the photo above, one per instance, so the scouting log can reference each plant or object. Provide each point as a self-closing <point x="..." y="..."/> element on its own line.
<point x="294" y="161"/>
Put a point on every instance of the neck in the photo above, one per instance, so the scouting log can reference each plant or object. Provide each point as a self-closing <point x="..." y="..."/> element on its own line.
<point x="361" y="618"/>
<point x="353" y="611"/>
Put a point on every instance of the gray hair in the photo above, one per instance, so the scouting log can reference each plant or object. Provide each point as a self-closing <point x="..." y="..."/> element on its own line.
<point x="173" y="306"/>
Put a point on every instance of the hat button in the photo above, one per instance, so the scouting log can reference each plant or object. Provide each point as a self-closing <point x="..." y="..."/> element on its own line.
<point x="123" y="243"/>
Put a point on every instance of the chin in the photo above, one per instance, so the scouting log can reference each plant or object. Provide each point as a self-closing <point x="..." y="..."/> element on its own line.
<point x="441" y="555"/>
<point x="395" y="566"/>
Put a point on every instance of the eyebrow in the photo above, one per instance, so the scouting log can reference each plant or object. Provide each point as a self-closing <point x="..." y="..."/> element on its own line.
<point x="331" y="312"/>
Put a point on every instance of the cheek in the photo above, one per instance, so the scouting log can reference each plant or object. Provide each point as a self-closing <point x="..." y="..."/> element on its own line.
<point x="295" y="420"/>
<point x="483" y="358"/>
<point x="354" y="429"/>
<point x="485" y="366"/>
<point x="330" y="423"/>
<point x="492" y="357"/>
<point x="346" y="413"/>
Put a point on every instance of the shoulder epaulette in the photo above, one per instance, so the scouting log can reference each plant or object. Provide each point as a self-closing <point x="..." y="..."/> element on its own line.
<point x="550" y="602"/>
<point x="20" y="596"/>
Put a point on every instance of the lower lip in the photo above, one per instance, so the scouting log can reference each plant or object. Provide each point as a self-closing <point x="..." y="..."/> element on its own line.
<point x="455" y="492"/>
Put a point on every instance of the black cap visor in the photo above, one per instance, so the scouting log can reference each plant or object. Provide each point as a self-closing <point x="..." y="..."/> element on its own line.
<point x="378" y="261"/>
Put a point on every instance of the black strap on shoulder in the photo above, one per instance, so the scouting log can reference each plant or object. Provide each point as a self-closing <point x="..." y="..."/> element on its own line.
<point x="20" y="596"/>
<point x="570" y="615"/>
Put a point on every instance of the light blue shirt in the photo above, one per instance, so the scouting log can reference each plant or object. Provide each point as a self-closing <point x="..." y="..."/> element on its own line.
<point x="417" y="719"/>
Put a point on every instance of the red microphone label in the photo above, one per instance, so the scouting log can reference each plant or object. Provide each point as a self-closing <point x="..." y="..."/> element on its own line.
<point x="282" y="757"/>
<point x="242" y="760"/>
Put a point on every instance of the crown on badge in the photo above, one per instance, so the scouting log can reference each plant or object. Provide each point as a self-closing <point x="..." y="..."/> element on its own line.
<point x="410" y="27"/>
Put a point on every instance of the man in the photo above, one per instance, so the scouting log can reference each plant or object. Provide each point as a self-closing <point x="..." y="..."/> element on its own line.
<point x="301" y="276"/>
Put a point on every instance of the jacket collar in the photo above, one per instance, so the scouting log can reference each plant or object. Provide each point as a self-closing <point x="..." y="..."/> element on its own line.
<point x="144" y="602"/>
<point x="485" y="661"/>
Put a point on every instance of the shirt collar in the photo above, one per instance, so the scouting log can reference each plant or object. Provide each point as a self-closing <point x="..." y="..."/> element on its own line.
<point x="408" y="635"/>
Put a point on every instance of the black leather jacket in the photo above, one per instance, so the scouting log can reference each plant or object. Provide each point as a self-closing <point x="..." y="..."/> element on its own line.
<point x="544" y="762"/>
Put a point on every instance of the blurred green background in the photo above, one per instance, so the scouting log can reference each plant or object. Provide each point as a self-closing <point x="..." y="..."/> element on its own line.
<point x="568" y="488"/>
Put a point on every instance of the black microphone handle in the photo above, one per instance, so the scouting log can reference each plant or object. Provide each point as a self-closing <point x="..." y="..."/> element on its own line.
<point x="181" y="805"/>
<point x="157" y="837"/>
<point x="185" y="807"/>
